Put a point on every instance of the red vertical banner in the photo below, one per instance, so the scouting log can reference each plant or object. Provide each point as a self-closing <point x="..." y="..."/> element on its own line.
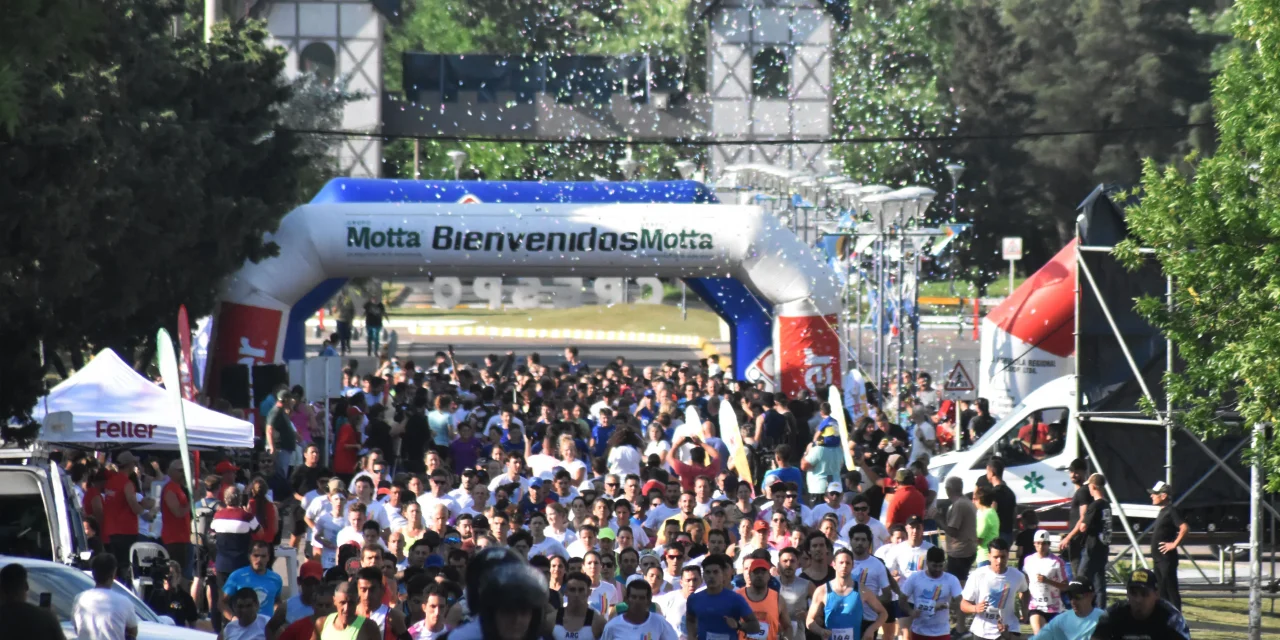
<point x="186" y="368"/>
<point x="242" y="334"/>
<point x="808" y="353"/>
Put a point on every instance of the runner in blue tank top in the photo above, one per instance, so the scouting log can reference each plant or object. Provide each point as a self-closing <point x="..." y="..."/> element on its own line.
<point x="836" y="610"/>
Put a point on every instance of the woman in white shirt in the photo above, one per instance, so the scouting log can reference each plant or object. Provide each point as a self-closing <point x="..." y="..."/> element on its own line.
<point x="657" y="441"/>
<point x="569" y="459"/>
<point x="624" y="452"/>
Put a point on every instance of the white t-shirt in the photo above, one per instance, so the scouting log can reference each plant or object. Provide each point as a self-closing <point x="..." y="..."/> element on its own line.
<point x="872" y="575"/>
<point x="673" y="605"/>
<point x="426" y="501"/>
<point x="579" y="549"/>
<point x="843" y="512"/>
<point x="543" y="465"/>
<point x="504" y="479"/>
<point x="653" y="628"/>
<point x="1000" y="590"/>
<point x="879" y="533"/>
<point x="567" y="538"/>
<point x="374" y="511"/>
<point x="906" y="559"/>
<point x="328" y="525"/>
<point x="658" y="515"/>
<point x="923" y="432"/>
<point x="603" y="597"/>
<point x="101" y="614"/>
<point x="574" y="467"/>
<point x="1045" y="597"/>
<point x="624" y="461"/>
<point x="548" y="547"/>
<point x="255" y="631"/>
<point x="932" y="597"/>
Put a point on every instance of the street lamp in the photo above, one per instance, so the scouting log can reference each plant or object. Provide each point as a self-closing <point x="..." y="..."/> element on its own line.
<point x="956" y="170"/>
<point x="459" y="159"/>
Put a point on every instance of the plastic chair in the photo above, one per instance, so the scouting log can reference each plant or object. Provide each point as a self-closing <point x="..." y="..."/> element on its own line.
<point x="142" y="557"/>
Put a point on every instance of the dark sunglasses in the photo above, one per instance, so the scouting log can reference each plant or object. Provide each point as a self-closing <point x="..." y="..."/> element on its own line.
<point x="862" y="508"/>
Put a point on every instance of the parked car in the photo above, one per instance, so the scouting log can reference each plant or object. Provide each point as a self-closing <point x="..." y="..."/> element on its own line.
<point x="63" y="583"/>
<point x="42" y="516"/>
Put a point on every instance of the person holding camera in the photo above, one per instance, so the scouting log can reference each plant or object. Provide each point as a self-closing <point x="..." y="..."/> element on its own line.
<point x="171" y="599"/>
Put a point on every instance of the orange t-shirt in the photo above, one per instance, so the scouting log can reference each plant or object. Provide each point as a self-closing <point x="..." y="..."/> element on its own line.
<point x="766" y="612"/>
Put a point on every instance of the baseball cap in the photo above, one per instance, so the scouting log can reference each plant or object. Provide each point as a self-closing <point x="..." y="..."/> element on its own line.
<point x="651" y="486"/>
<point x="901" y="475"/>
<point x="894" y="460"/>
<point x="760" y="525"/>
<point x="835" y="487"/>
<point x="226" y="466"/>
<point x="1041" y="536"/>
<point x="536" y="482"/>
<point x="606" y="534"/>
<point x="1160" y="487"/>
<point x="1076" y="587"/>
<point x="126" y="458"/>
<point x="915" y="521"/>
<point x="1142" y="578"/>
<point x="335" y="484"/>
<point x="311" y="569"/>
<point x="758" y="563"/>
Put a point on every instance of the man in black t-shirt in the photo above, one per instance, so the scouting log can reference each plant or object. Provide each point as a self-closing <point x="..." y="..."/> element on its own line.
<point x="1006" y="503"/>
<point x="1096" y="529"/>
<point x="1166" y="537"/>
<point x="21" y="619"/>
<point x="1072" y="545"/>
<point x="1143" y="615"/>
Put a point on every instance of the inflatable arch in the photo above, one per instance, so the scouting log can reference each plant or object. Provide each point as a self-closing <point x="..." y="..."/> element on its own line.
<point x="738" y="259"/>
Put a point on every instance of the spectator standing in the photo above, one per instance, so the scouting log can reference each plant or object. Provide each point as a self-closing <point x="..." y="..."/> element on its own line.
<point x="1167" y="535"/>
<point x="233" y="527"/>
<point x="1096" y="529"/>
<point x="100" y="613"/>
<point x="19" y="618"/>
<point x="905" y="502"/>
<point x="701" y="466"/>
<point x="1005" y="502"/>
<point x="374" y="312"/>
<point x="175" y="526"/>
<point x="122" y="509"/>
<point x="344" y="316"/>
<point x="1072" y="544"/>
<point x="960" y="526"/>
<point x="987" y="526"/>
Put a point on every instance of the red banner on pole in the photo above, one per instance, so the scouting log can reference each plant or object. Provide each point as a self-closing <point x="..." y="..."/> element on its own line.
<point x="186" y="369"/>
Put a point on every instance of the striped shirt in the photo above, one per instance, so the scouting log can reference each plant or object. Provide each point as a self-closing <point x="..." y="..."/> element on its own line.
<point x="232" y="528"/>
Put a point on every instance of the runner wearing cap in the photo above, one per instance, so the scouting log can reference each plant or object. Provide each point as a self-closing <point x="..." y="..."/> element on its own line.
<point x="1047" y="577"/>
<point x="992" y="593"/>
<point x="1143" y="614"/>
<point x="1166" y="536"/>
<point x="836" y="612"/>
<point x="832" y="504"/>
<point x="1080" y="621"/>
<point x="764" y="601"/>
<point x="302" y="605"/>
<point x="927" y="596"/>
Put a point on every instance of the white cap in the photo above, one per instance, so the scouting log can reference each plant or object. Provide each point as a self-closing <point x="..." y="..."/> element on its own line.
<point x="1161" y="487"/>
<point x="1041" y="536"/>
<point x="835" y="487"/>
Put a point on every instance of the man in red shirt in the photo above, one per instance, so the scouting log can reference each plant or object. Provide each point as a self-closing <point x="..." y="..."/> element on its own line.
<point x="689" y="473"/>
<point x="175" y="526"/>
<point x="905" y="501"/>
<point x="121" y="510"/>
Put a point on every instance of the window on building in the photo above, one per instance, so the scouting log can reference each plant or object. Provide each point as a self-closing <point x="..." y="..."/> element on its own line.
<point x="318" y="58"/>
<point x="770" y="74"/>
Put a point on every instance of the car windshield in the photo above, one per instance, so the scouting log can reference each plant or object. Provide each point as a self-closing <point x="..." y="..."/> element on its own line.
<point x="996" y="429"/>
<point x="65" y="583"/>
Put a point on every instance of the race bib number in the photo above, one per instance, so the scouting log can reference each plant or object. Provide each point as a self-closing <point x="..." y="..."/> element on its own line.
<point x="991" y="615"/>
<point x="764" y="633"/>
<point x="927" y="607"/>
<point x="842" y="634"/>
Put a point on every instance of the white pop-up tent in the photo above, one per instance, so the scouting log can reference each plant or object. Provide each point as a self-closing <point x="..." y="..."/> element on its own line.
<point x="113" y="405"/>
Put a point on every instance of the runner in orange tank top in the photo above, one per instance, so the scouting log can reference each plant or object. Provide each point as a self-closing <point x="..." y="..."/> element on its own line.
<point x="764" y="602"/>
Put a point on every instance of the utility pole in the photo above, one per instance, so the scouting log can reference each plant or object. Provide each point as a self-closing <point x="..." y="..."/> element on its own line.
<point x="1255" y="537"/>
<point x="210" y="17"/>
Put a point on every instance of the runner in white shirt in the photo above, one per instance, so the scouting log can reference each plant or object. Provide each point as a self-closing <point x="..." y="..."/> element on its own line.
<point x="992" y="593"/>
<point x="558" y="525"/>
<point x="515" y="466"/>
<point x="1046" y="578"/>
<point x="542" y="545"/>
<point x="638" y="621"/>
<point x="868" y="570"/>
<point x="604" y="595"/>
<point x="832" y="505"/>
<point x="928" y="595"/>
<point x="907" y="558"/>
<point x="862" y="515"/>
<point x="674" y="603"/>
<point x="324" y="536"/>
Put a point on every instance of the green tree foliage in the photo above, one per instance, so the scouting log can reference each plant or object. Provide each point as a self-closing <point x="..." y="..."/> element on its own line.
<point x="1218" y="234"/>
<point x="143" y="169"/>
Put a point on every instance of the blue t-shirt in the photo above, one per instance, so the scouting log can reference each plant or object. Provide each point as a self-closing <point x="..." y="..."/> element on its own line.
<point x="267" y="586"/>
<point x="1069" y="626"/>
<point x="710" y="611"/>
<point x="601" y="435"/>
<point x="785" y="474"/>
<point x="645" y="416"/>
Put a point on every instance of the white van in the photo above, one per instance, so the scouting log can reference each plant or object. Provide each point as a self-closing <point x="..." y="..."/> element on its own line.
<point x="1037" y="440"/>
<point x="41" y="514"/>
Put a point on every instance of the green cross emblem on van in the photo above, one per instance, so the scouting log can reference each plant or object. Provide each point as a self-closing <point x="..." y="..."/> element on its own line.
<point x="1035" y="482"/>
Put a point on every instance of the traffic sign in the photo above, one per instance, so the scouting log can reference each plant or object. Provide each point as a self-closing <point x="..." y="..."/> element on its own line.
<point x="1011" y="248"/>
<point x="958" y="379"/>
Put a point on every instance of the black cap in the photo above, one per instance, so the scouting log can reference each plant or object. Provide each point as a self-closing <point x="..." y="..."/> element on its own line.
<point x="1142" y="578"/>
<point x="1076" y="587"/>
<point x="915" y="521"/>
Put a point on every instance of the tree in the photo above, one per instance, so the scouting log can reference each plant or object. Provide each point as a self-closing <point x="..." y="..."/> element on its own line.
<point x="1217" y="233"/>
<point x="145" y="167"/>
